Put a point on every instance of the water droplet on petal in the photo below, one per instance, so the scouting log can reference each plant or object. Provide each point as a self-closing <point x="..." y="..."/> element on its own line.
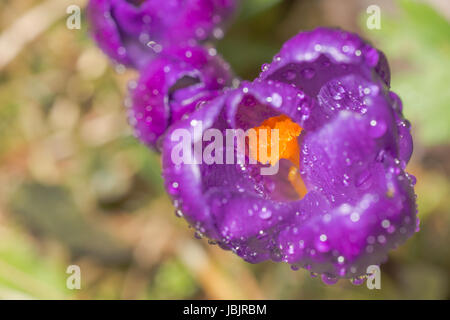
<point x="198" y="235"/>
<point x="290" y="75"/>
<point x="328" y="279"/>
<point x="357" y="281"/>
<point x="377" y="128"/>
<point x="413" y="179"/>
<point x="218" y="33"/>
<point x="265" y="213"/>
<point x="326" y="63"/>
<point x="179" y="213"/>
<point x="308" y="73"/>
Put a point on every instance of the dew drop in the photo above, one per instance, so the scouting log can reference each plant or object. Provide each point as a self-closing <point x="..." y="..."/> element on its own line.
<point x="308" y="73"/>
<point x="218" y="33"/>
<point x="198" y="235"/>
<point x="329" y="280"/>
<point x="326" y="63"/>
<point x="173" y="188"/>
<point x="265" y="213"/>
<point x="290" y="75"/>
<point x="354" y="217"/>
<point x="337" y="92"/>
<point x="380" y="156"/>
<point x="413" y="179"/>
<point x="346" y="179"/>
<point x="377" y="128"/>
<point x="357" y="281"/>
<point x="275" y="255"/>
<point x="121" y="51"/>
<point x="119" y="68"/>
<point x="179" y="213"/>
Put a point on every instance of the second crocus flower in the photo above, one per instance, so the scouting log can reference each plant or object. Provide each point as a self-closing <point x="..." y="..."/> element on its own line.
<point x="172" y="86"/>
<point x="133" y="32"/>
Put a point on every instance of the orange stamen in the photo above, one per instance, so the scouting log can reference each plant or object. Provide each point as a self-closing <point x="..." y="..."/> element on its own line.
<point x="288" y="132"/>
<point x="296" y="181"/>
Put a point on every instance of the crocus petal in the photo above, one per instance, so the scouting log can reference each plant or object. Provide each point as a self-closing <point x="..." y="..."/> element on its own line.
<point x="221" y="113"/>
<point x="360" y="127"/>
<point x="171" y="87"/>
<point x="340" y="71"/>
<point x="369" y="194"/>
<point x="310" y="59"/>
<point x="105" y="32"/>
<point x="344" y="240"/>
<point x="184" y="181"/>
<point x="232" y="203"/>
<point x="133" y="34"/>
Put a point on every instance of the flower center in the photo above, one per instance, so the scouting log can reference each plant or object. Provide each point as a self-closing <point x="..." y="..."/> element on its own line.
<point x="288" y="148"/>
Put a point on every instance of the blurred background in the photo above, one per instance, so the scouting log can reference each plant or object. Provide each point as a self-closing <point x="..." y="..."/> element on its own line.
<point x="77" y="188"/>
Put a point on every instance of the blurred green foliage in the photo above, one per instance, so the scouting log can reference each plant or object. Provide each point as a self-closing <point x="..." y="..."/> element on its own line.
<point x="172" y="280"/>
<point x="417" y="43"/>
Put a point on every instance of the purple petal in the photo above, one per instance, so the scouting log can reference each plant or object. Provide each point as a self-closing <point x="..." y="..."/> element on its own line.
<point x="105" y="32"/>
<point x="184" y="181"/>
<point x="310" y="59"/>
<point x="340" y="71"/>
<point x="343" y="241"/>
<point x="133" y="34"/>
<point x="221" y="113"/>
<point x="171" y="87"/>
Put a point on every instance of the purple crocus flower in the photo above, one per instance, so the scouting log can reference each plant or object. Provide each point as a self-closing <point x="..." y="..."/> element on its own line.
<point x="341" y="199"/>
<point x="132" y="32"/>
<point x="172" y="86"/>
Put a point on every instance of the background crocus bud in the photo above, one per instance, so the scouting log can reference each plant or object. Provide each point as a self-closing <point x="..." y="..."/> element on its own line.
<point x="172" y="86"/>
<point x="134" y="32"/>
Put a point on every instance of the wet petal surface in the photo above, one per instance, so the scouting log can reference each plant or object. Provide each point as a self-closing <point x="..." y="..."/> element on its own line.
<point x="133" y="33"/>
<point x="171" y="87"/>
